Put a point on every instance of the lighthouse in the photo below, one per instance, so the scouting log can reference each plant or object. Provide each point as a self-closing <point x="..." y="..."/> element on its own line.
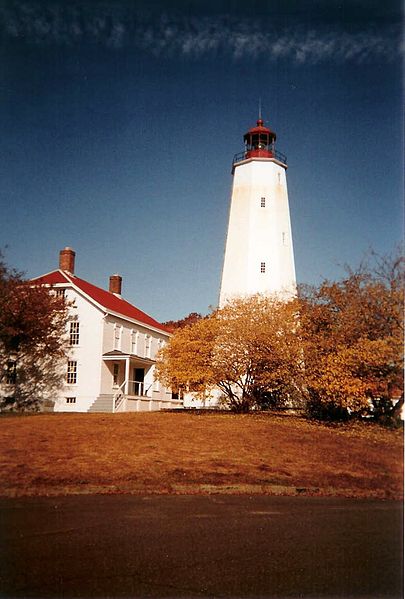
<point x="259" y="254"/>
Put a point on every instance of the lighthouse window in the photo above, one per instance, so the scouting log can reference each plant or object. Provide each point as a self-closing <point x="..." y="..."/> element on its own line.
<point x="263" y="202"/>
<point x="262" y="267"/>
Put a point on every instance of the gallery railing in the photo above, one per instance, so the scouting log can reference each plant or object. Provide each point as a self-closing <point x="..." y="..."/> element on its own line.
<point x="245" y="155"/>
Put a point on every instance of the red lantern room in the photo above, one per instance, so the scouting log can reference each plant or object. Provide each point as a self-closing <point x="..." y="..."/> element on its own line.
<point x="259" y="141"/>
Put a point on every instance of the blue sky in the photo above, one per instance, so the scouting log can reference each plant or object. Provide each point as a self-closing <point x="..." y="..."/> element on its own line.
<point x="119" y="121"/>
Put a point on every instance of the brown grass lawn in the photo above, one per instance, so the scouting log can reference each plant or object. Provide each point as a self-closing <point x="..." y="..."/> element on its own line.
<point x="161" y="452"/>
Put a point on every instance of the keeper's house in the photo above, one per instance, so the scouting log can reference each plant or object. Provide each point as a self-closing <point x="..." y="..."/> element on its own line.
<point x="113" y="346"/>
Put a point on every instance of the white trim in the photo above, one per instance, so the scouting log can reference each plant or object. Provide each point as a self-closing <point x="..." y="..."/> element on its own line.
<point x="138" y="322"/>
<point x="126" y="379"/>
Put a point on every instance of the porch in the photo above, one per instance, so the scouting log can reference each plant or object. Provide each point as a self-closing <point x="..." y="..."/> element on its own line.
<point x="127" y="378"/>
<point x="113" y="404"/>
<point x="132" y="396"/>
<point x="128" y="386"/>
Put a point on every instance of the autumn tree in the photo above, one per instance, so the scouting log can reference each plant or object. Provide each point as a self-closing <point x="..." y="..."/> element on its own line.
<point x="248" y="350"/>
<point x="186" y="362"/>
<point x="337" y="347"/>
<point x="191" y="318"/>
<point x="32" y="342"/>
<point x="352" y="338"/>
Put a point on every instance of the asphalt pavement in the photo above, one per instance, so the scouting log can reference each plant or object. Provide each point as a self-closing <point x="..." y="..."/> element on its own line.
<point x="200" y="546"/>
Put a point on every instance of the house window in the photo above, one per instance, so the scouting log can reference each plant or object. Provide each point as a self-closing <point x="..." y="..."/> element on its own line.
<point x="263" y="202"/>
<point x="60" y="292"/>
<point x="71" y="376"/>
<point x="117" y="337"/>
<point x="11" y="372"/>
<point x="74" y="333"/>
<point x="116" y="371"/>
<point x="70" y="399"/>
<point x="262" y="267"/>
<point x="147" y="346"/>
<point x="134" y="342"/>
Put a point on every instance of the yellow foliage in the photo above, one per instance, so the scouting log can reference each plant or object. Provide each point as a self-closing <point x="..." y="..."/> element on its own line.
<point x="245" y="349"/>
<point x="340" y="343"/>
<point x="352" y="334"/>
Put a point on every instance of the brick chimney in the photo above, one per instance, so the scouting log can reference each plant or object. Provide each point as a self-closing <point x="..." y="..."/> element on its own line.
<point x="115" y="284"/>
<point x="67" y="260"/>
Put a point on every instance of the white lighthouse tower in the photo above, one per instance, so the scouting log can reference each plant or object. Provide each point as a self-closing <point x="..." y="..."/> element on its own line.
<point x="259" y="254"/>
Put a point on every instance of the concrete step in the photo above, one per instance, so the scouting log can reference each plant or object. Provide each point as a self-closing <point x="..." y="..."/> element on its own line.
<point x="102" y="404"/>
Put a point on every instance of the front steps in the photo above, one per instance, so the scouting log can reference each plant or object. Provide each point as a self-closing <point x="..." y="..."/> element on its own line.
<point x="103" y="403"/>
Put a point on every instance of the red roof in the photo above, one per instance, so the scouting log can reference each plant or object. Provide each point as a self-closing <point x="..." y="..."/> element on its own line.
<point x="106" y="299"/>
<point x="57" y="276"/>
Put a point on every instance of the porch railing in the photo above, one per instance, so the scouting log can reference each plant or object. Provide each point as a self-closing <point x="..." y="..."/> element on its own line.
<point x="118" y="398"/>
<point x="135" y="388"/>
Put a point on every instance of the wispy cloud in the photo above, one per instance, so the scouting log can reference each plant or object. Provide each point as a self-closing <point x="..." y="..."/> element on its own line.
<point x="114" y="25"/>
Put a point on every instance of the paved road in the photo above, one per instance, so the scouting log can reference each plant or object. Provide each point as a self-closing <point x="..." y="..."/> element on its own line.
<point x="218" y="546"/>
